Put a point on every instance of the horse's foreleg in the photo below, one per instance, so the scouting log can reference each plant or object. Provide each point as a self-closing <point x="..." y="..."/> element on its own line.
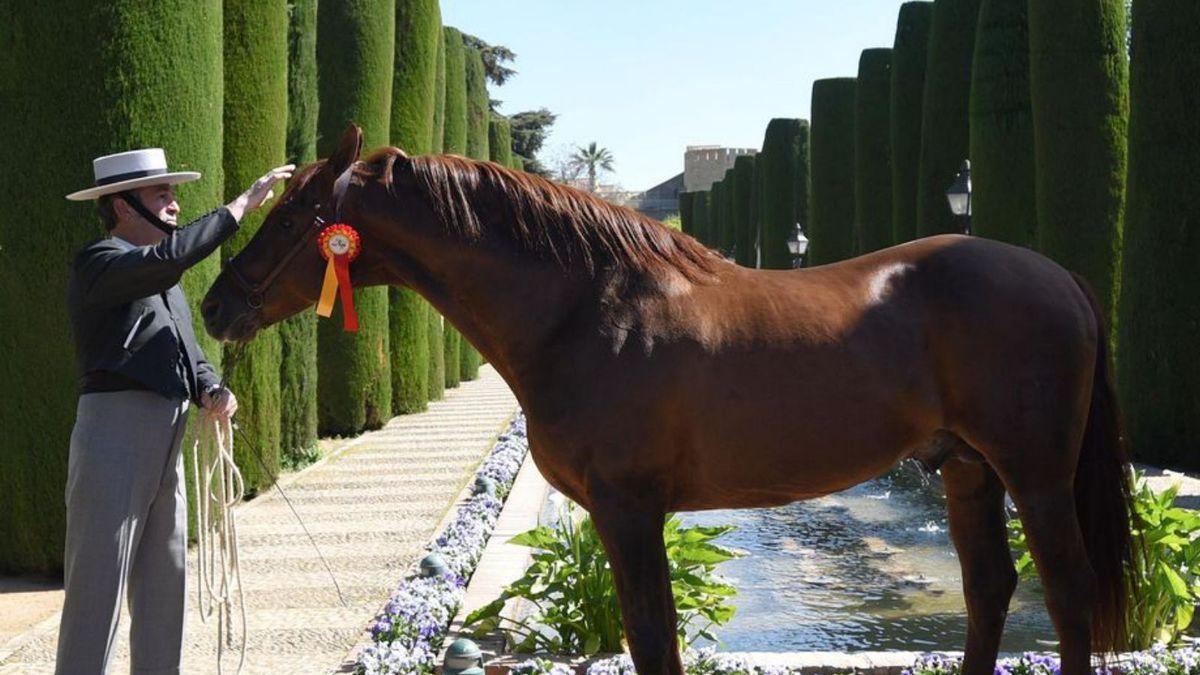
<point x="975" y="498"/>
<point x="633" y="537"/>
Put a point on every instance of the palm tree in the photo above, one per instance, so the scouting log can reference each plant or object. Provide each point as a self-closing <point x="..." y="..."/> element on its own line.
<point x="592" y="159"/>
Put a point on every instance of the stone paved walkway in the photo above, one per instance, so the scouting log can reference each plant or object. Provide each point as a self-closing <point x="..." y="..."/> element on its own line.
<point x="371" y="509"/>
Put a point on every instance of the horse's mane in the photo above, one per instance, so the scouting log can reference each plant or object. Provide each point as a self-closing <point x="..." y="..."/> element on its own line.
<point x="572" y="227"/>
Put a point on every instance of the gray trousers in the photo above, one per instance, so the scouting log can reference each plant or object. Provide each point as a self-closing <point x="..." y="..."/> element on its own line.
<point x="126" y="533"/>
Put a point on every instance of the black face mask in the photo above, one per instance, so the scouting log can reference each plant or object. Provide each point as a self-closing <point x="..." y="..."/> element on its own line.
<point x="136" y="204"/>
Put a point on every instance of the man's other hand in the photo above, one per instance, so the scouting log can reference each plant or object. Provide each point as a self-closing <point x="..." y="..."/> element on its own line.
<point x="221" y="403"/>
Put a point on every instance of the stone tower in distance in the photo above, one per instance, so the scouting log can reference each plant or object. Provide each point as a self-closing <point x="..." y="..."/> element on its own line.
<point x="704" y="165"/>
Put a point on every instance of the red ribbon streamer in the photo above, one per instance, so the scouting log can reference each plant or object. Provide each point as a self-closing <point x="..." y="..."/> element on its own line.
<point x="341" y="265"/>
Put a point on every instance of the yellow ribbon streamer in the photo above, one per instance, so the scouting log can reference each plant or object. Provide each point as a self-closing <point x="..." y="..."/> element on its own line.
<point x="328" y="290"/>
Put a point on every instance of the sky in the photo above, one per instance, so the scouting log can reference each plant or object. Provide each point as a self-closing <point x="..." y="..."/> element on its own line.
<point x="648" y="78"/>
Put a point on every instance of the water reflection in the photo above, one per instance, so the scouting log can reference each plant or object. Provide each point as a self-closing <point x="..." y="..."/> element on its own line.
<point x="868" y="568"/>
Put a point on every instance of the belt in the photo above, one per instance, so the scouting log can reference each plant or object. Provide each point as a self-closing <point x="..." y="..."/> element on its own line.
<point x="99" y="381"/>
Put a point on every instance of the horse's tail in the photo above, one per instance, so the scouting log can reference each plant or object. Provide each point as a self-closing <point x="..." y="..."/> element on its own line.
<point x="1103" y="498"/>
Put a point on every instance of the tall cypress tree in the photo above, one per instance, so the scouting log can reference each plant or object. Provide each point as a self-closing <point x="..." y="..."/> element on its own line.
<point x="414" y="82"/>
<point x="781" y="165"/>
<point x="355" y="52"/>
<point x="78" y="82"/>
<point x="743" y="228"/>
<point x="716" y="210"/>
<point x="298" y="335"/>
<point x="686" y="219"/>
<point x="454" y="143"/>
<point x="909" y="54"/>
<point x="256" y="110"/>
<point x="729" y="214"/>
<point x="873" y="151"/>
<point x="1079" y="84"/>
<point x="945" y="116"/>
<point x="437" y="355"/>
<point x="701" y="214"/>
<point x="831" y="220"/>
<point x="1003" y="206"/>
<point x="477" y="149"/>
<point x="500" y="141"/>
<point x="1158" y="365"/>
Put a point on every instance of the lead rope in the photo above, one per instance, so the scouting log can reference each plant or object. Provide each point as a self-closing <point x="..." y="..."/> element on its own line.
<point x="216" y="539"/>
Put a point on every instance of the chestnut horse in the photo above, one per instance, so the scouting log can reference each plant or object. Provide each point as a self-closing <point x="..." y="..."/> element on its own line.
<point x="659" y="377"/>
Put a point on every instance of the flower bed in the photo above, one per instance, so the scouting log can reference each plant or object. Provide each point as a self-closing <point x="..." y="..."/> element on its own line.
<point x="408" y="634"/>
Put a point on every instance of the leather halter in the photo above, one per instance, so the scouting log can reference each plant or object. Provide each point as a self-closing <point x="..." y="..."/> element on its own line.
<point x="255" y="292"/>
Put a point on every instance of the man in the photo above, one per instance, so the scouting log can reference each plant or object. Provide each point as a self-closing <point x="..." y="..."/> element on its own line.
<point x="139" y="366"/>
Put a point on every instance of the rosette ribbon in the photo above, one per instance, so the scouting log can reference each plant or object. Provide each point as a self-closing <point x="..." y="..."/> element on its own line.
<point x="340" y="245"/>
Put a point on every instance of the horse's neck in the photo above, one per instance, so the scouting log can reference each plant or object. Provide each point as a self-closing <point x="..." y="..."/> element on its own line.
<point x="506" y="305"/>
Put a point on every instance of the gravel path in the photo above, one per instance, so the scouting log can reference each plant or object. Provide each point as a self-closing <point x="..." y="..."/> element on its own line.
<point x="371" y="509"/>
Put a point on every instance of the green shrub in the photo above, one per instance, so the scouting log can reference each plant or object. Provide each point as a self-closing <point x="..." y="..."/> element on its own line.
<point x="687" y="222"/>
<point x="831" y="220"/>
<point x="728" y="214"/>
<point x="414" y="97"/>
<point x="673" y="222"/>
<point x="909" y="53"/>
<point x="702" y="214"/>
<point x="1166" y="573"/>
<point x="439" y="94"/>
<point x="945" y="111"/>
<point x="437" y="355"/>
<point x="743" y="227"/>
<point x="1003" y="206"/>
<point x="500" y="141"/>
<point x="1158" y="366"/>
<point x="355" y="43"/>
<point x="571" y="585"/>
<point x="477" y="106"/>
<point x="716" y="215"/>
<point x="782" y="188"/>
<point x="1079" y="85"/>
<point x="255" y="139"/>
<point x="873" y="152"/>
<point x="298" y="335"/>
<point x="78" y="81"/>
<point x="455" y="108"/>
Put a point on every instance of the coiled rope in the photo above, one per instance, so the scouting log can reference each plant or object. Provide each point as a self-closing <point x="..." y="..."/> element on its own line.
<point x="219" y="487"/>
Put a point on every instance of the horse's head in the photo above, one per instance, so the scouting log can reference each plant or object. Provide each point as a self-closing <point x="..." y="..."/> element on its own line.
<point x="279" y="272"/>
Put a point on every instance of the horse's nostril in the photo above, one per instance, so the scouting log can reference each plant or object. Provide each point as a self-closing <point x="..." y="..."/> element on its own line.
<point x="209" y="308"/>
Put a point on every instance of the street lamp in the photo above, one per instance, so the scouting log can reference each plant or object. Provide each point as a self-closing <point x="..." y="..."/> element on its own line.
<point x="797" y="246"/>
<point x="959" y="195"/>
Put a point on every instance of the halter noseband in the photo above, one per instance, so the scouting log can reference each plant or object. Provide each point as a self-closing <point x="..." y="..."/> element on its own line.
<point x="255" y="292"/>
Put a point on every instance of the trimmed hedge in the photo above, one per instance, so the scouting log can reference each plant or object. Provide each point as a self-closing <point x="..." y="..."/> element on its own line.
<point x="455" y="123"/>
<point x="831" y="220"/>
<point x="783" y="196"/>
<point x="873" y="152"/>
<point x="500" y="141"/>
<point x="1158" y="365"/>
<point x="454" y="143"/>
<point x="701" y="214"/>
<point x="355" y="52"/>
<point x="478" y="114"/>
<point x="414" y="82"/>
<point x="298" y="335"/>
<point x="729" y="213"/>
<point x="907" y="91"/>
<point x="1003" y="205"/>
<point x="1079" y="85"/>
<point x="437" y="357"/>
<point x="83" y="80"/>
<point x="743" y="226"/>
<point x="686" y="216"/>
<point x="716" y="214"/>
<point x="256" y="113"/>
<point x="945" y="116"/>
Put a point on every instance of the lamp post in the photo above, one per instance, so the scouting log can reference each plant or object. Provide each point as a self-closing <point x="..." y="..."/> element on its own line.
<point x="959" y="196"/>
<point x="797" y="246"/>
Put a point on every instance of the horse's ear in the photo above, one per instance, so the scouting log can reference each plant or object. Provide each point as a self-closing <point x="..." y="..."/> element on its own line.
<point x="348" y="149"/>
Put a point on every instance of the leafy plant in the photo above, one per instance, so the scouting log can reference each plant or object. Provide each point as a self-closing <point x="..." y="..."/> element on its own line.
<point x="1166" y="570"/>
<point x="571" y="586"/>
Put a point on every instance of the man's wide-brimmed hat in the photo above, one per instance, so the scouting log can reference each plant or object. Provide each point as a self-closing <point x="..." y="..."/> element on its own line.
<point x="130" y="170"/>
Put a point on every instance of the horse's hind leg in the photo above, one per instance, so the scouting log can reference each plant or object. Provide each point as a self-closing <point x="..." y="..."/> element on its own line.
<point x="975" y="498"/>
<point x="632" y="533"/>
